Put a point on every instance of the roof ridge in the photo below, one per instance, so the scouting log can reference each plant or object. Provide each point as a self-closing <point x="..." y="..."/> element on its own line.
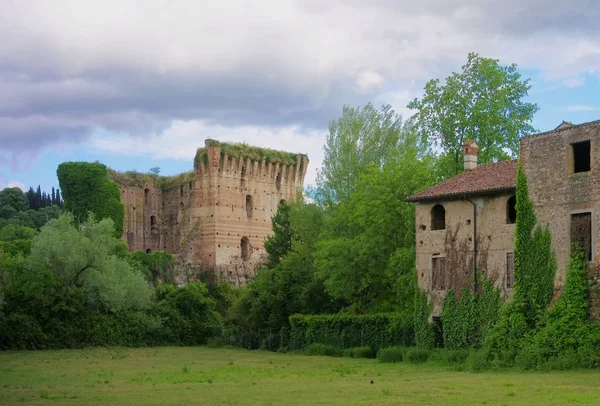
<point x="557" y="130"/>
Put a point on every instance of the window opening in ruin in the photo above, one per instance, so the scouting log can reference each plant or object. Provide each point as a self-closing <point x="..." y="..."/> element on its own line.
<point x="148" y="251"/>
<point x="438" y="273"/>
<point x="581" y="232"/>
<point x="181" y="191"/>
<point x="243" y="177"/>
<point x="581" y="156"/>
<point x="510" y="270"/>
<point x="249" y="206"/>
<point x="190" y="185"/>
<point x="152" y="221"/>
<point x="511" y="210"/>
<point x="438" y="217"/>
<point x="278" y="182"/>
<point x="245" y="243"/>
<point x="146" y="194"/>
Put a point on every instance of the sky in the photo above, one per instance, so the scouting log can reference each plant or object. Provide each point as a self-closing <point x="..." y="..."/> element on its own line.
<point x="140" y="84"/>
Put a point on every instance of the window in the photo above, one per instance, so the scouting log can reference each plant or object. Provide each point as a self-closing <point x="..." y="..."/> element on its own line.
<point x="249" y="206"/>
<point x="581" y="156"/>
<point x="438" y="217"/>
<point x="438" y="274"/>
<point x="510" y="270"/>
<point x="152" y="221"/>
<point x="146" y="194"/>
<point x="245" y="243"/>
<point x="278" y="182"/>
<point x="243" y="177"/>
<point x="511" y="210"/>
<point x="581" y="232"/>
<point x="148" y="251"/>
<point x="181" y="191"/>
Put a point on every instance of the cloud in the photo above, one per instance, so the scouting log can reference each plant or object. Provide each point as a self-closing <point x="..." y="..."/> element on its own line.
<point x="182" y="138"/>
<point x="573" y="82"/>
<point x="68" y="69"/>
<point x="580" y="107"/>
<point x="12" y="183"/>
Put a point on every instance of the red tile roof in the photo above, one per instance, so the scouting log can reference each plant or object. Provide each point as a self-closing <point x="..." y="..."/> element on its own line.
<point x="488" y="178"/>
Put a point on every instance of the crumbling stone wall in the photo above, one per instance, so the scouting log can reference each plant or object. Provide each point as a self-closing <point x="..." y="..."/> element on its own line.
<point x="557" y="192"/>
<point x="204" y="219"/>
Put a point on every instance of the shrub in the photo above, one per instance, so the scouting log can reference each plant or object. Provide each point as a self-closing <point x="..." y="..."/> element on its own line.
<point x="478" y="361"/>
<point x="417" y="355"/>
<point x="322" y="349"/>
<point x="391" y="354"/>
<point x="347" y="331"/>
<point x="359" y="352"/>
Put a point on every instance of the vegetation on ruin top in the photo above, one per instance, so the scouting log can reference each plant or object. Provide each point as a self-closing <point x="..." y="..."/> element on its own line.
<point x="140" y="179"/>
<point x="237" y="150"/>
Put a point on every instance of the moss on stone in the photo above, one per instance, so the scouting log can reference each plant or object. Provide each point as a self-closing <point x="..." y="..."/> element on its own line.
<point x="139" y="179"/>
<point x="238" y="150"/>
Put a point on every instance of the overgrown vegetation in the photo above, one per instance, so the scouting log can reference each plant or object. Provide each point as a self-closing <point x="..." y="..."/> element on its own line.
<point x="237" y="150"/>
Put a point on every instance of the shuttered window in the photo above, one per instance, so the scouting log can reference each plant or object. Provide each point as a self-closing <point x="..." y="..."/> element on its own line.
<point x="438" y="274"/>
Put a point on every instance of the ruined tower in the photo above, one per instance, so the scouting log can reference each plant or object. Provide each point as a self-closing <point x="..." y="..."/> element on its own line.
<point x="214" y="218"/>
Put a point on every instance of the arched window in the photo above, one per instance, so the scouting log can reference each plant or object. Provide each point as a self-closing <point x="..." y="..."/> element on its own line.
<point x="249" y="206"/>
<point x="438" y="217"/>
<point x="146" y="194"/>
<point x="152" y="221"/>
<point x="511" y="210"/>
<point x="148" y="251"/>
<point x="243" y="177"/>
<point x="245" y="243"/>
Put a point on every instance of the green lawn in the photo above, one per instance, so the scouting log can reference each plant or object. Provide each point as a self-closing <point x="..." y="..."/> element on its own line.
<point x="192" y="376"/>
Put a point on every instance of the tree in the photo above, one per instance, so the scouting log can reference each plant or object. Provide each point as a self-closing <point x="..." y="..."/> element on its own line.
<point x="365" y="252"/>
<point x="15" y="198"/>
<point x="87" y="188"/>
<point x="155" y="171"/>
<point x="278" y="244"/>
<point x="484" y="103"/>
<point x="360" y="138"/>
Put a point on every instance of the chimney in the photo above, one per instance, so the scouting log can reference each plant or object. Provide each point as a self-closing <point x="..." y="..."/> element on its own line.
<point x="470" y="148"/>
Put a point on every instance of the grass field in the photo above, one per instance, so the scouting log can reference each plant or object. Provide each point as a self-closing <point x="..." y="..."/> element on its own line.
<point x="193" y="376"/>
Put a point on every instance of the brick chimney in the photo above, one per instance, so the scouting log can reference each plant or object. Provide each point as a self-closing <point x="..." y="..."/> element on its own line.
<point x="470" y="148"/>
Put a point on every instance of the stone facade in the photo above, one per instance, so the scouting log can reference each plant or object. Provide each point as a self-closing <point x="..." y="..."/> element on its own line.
<point x="216" y="217"/>
<point x="563" y="172"/>
<point x="557" y="191"/>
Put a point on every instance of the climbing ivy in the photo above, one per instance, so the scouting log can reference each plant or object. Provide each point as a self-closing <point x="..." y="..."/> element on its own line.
<point x="86" y="188"/>
<point x="424" y="330"/>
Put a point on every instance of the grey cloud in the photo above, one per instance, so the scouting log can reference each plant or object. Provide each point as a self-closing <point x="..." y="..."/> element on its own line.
<point x="58" y="85"/>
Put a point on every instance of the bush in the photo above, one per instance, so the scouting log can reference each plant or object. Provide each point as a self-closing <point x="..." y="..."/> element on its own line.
<point x="417" y="355"/>
<point x="359" y="352"/>
<point x="478" y="361"/>
<point x="347" y="331"/>
<point x="322" y="349"/>
<point x="391" y="354"/>
<point x="453" y="357"/>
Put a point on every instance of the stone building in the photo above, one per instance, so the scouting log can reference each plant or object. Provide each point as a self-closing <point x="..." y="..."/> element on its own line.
<point x="216" y="217"/>
<point x="563" y="172"/>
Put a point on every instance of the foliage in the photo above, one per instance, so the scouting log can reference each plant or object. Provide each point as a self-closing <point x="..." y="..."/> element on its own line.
<point x="280" y="242"/>
<point x="14" y="198"/>
<point x="417" y="355"/>
<point x="39" y="200"/>
<point x="156" y="266"/>
<point x="366" y="251"/>
<point x="238" y="150"/>
<point x="467" y="319"/>
<point x="424" y="330"/>
<point x="484" y="102"/>
<point x="359" y="352"/>
<point x="32" y="218"/>
<point x="357" y="141"/>
<point x="391" y="354"/>
<point x="87" y="188"/>
<point x="322" y="349"/>
<point x="347" y="331"/>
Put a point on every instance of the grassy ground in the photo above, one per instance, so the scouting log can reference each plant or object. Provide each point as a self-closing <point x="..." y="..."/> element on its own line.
<point x="175" y="376"/>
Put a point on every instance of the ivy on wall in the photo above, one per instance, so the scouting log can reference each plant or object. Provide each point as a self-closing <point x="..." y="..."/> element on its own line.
<point x="86" y="188"/>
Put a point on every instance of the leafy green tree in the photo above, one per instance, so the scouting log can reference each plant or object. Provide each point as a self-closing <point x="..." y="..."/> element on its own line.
<point x="87" y="188"/>
<point x="278" y="244"/>
<point x="359" y="139"/>
<point x="12" y="200"/>
<point x="84" y="256"/>
<point x="366" y="250"/>
<point x="484" y="102"/>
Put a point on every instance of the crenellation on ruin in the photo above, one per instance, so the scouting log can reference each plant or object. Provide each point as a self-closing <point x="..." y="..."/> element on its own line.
<point x="217" y="216"/>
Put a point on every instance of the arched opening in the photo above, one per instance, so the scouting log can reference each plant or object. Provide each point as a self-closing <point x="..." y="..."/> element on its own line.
<point x="282" y="201"/>
<point x="148" y="251"/>
<point x="245" y="244"/>
<point x="249" y="206"/>
<point x="152" y="221"/>
<point x="278" y="182"/>
<point x="146" y="194"/>
<point x="181" y="191"/>
<point x="511" y="210"/>
<point x="438" y="217"/>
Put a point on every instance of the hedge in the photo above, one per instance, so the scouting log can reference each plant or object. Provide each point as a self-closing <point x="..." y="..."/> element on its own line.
<point x="346" y="331"/>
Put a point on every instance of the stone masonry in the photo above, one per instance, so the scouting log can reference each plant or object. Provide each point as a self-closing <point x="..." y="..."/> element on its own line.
<point x="216" y="217"/>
